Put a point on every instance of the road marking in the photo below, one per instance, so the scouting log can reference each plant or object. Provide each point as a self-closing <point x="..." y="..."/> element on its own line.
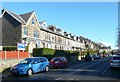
<point x="58" y="78"/>
<point x="105" y="70"/>
<point x="83" y="64"/>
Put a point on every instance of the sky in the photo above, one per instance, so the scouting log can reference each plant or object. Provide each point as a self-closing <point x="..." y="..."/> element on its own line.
<point x="97" y="21"/>
<point x="60" y="0"/>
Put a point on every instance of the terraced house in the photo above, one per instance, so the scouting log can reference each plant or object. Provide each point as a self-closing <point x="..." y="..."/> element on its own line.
<point x="26" y="28"/>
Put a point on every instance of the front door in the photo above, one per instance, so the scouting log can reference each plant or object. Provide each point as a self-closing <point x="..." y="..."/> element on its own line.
<point x="32" y="45"/>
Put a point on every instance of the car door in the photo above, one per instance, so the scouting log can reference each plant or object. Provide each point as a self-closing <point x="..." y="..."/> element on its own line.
<point x="116" y="61"/>
<point x="43" y="64"/>
<point x="65" y="61"/>
<point x="36" y="65"/>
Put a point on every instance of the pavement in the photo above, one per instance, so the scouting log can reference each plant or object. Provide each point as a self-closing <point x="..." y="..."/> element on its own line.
<point x="6" y="73"/>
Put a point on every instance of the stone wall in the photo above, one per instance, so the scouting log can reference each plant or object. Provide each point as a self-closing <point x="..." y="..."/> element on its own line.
<point x="7" y="63"/>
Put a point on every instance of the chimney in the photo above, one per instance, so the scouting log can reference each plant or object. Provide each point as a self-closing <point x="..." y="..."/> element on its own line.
<point x="2" y="11"/>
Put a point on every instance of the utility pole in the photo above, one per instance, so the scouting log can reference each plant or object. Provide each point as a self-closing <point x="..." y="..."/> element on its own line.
<point x="118" y="38"/>
<point x="118" y="42"/>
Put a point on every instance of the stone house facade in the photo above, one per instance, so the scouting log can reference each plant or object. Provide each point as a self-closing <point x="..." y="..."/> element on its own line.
<point x="26" y="28"/>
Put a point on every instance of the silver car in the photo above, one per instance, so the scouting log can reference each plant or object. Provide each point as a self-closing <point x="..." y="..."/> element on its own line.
<point x="115" y="61"/>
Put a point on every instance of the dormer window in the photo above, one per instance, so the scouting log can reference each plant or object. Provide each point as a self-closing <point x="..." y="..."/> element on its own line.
<point x="44" y="25"/>
<point x="33" y="22"/>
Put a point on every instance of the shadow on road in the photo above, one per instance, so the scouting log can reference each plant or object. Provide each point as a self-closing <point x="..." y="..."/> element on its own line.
<point x="6" y="72"/>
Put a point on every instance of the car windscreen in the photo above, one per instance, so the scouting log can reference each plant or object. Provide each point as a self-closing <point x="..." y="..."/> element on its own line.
<point x="117" y="54"/>
<point x="26" y="61"/>
<point x="56" y="59"/>
<point x="116" y="58"/>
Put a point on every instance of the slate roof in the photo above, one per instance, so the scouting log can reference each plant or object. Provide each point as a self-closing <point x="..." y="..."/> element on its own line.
<point x="23" y="18"/>
<point x="26" y="16"/>
<point x="17" y="16"/>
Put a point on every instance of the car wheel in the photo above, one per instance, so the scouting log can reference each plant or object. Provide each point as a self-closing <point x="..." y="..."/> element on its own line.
<point x="46" y="68"/>
<point x="29" y="73"/>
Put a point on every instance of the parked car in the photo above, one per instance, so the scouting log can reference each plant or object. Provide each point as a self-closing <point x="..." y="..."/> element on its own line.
<point x="115" y="61"/>
<point x="31" y="65"/>
<point x="58" y="62"/>
<point x="96" y="56"/>
<point x="88" y="57"/>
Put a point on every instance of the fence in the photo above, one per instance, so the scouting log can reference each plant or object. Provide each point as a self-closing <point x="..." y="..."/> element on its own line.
<point x="13" y="54"/>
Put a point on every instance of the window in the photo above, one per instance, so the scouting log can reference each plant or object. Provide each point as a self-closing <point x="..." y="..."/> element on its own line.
<point x="52" y="38"/>
<point x="36" y="34"/>
<point x="43" y="60"/>
<point x="37" y="60"/>
<point x="46" y="37"/>
<point x="68" y="43"/>
<point x="55" y="39"/>
<point x="44" y="25"/>
<point x="25" y="31"/>
<point x="116" y="58"/>
<point x="33" y="21"/>
<point x="49" y="38"/>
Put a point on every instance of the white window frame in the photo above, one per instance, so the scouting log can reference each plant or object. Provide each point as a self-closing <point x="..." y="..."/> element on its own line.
<point x="26" y="31"/>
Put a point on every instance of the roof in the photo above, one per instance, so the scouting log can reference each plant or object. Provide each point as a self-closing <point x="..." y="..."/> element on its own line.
<point x="22" y="18"/>
<point x="35" y="57"/>
<point x="26" y="16"/>
<point x="47" y="30"/>
<point x="17" y="17"/>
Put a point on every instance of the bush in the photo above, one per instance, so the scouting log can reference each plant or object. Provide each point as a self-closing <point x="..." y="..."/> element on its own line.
<point x="26" y="48"/>
<point x="47" y="51"/>
<point x="50" y="53"/>
<point x="37" y="52"/>
<point x="92" y="52"/>
<point x="49" y="57"/>
<point x="9" y="48"/>
<point x="62" y="53"/>
<point x="43" y="52"/>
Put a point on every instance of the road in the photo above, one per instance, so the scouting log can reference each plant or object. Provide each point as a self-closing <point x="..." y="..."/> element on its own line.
<point x="94" y="70"/>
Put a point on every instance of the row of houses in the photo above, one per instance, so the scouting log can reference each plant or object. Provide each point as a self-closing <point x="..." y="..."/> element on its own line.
<point x="26" y="28"/>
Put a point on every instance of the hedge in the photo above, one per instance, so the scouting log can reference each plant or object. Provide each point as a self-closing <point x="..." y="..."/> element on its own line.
<point x="42" y="51"/>
<point x="27" y="48"/>
<point x="50" y="53"/>
<point x="9" y="48"/>
<point x="12" y="48"/>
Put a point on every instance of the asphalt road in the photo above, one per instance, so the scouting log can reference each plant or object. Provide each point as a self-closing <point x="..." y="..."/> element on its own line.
<point x="94" y="70"/>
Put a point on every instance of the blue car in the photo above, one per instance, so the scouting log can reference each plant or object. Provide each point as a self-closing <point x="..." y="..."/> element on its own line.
<point x="31" y="65"/>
